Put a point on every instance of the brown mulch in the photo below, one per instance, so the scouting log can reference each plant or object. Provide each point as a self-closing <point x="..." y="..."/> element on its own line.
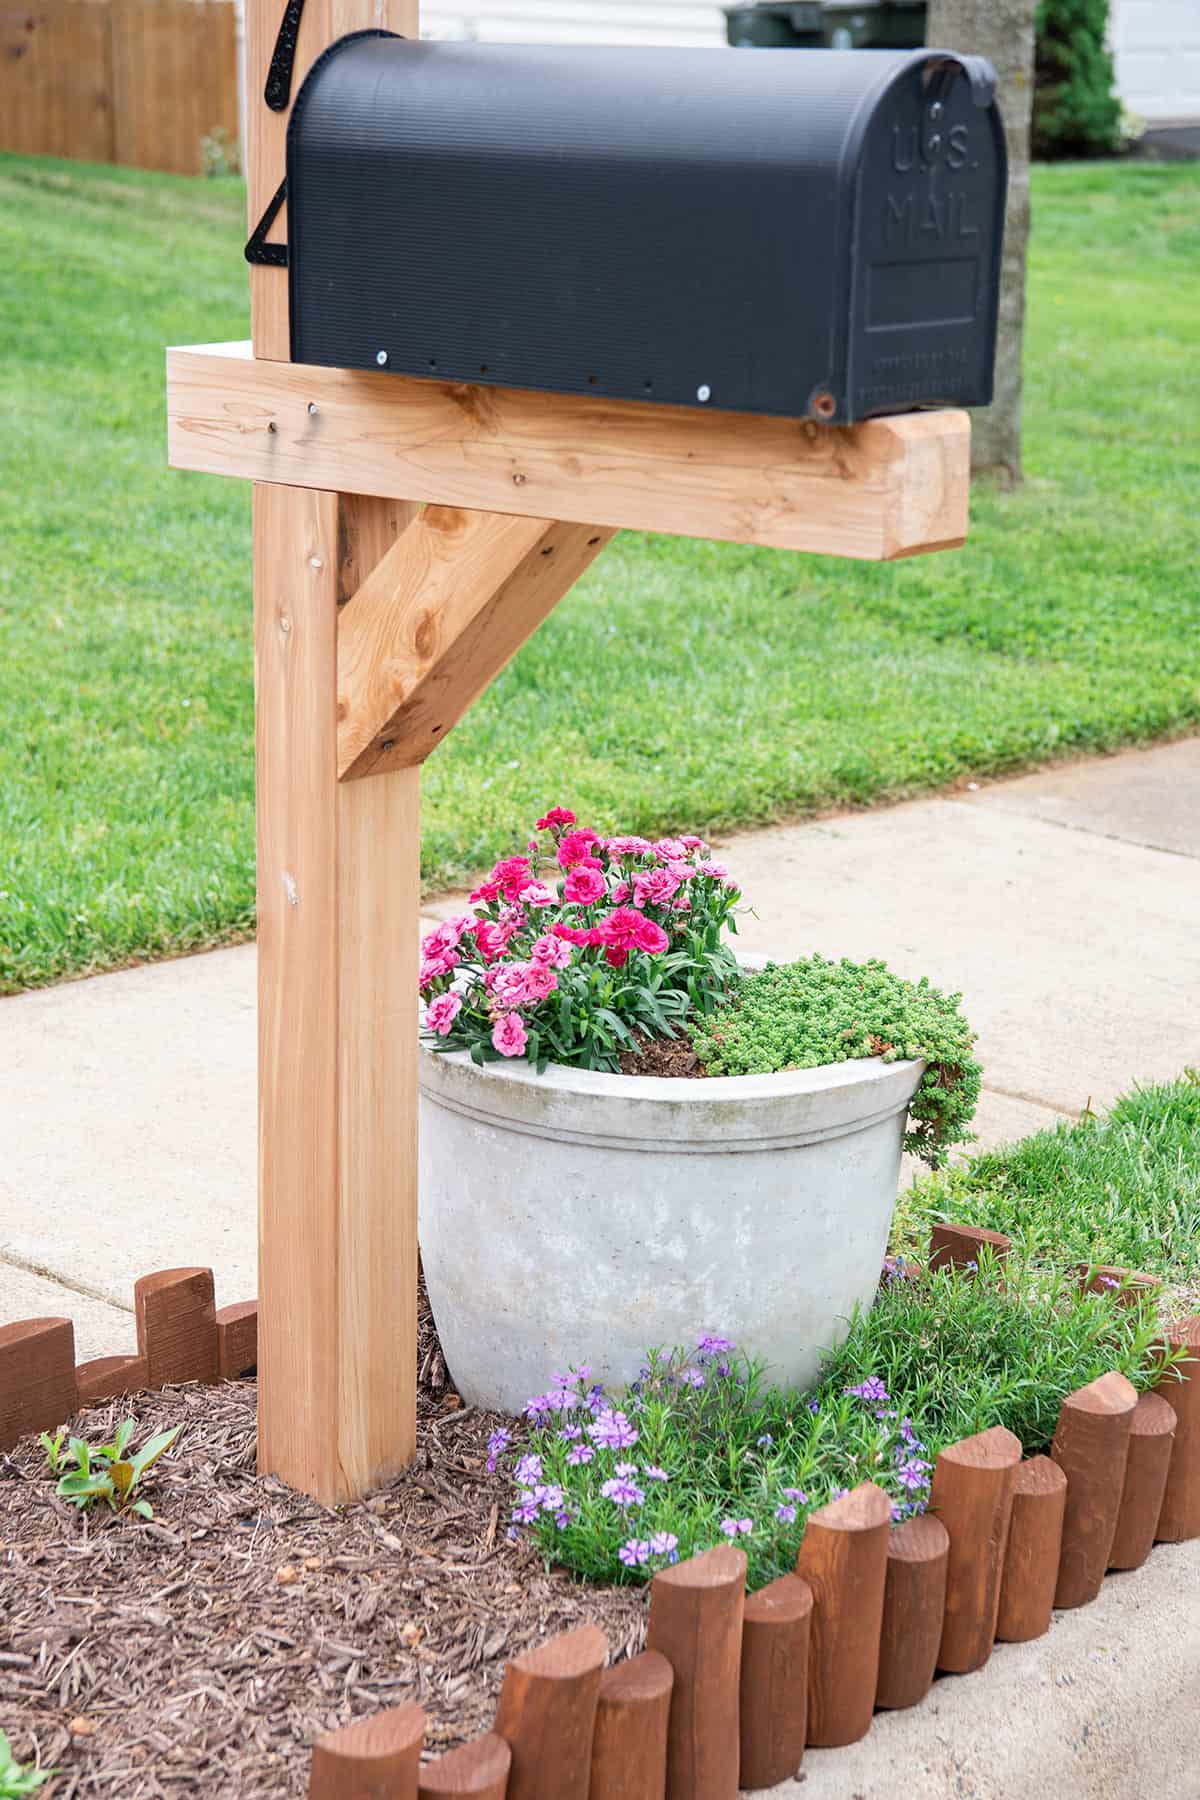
<point x="663" y="1056"/>
<point x="203" y="1652"/>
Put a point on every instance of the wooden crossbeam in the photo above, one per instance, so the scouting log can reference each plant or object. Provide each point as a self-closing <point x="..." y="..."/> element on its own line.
<point x="883" y="489"/>
<point x="452" y="601"/>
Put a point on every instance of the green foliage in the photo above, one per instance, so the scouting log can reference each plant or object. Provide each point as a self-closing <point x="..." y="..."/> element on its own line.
<point x="968" y="1351"/>
<point x="934" y="1360"/>
<point x="683" y="685"/>
<point x="806" y="1014"/>
<point x="1076" y="111"/>
<point x="18" y="1779"/>
<point x="107" y="1472"/>
<point x="1124" y="1189"/>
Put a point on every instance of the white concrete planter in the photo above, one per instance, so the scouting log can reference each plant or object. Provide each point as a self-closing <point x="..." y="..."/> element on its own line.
<point x="575" y="1216"/>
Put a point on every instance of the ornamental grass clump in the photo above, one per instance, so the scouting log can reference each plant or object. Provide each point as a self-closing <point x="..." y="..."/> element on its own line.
<point x="626" y="946"/>
<point x="701" y="1450"/>
<point x="807" y="1014"/>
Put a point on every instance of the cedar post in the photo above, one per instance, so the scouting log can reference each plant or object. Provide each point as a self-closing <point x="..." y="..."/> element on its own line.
<point x="338" y="902"/>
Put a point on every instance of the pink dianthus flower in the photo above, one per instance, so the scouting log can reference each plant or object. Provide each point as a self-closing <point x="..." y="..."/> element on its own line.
<point x="551" y="952"/>
<point x="575" y="846"/>
<point x="583" y="885"/>
<point x="655" y="888"/>
<point x="441" y="1013"/>
<point x="508" y="1035"/>
<point x="558" y="815"/>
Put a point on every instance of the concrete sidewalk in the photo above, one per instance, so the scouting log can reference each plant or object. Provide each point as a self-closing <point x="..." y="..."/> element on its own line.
<point x="1063" y="905"/>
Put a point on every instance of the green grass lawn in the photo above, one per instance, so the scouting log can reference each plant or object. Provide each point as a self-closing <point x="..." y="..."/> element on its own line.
<point x="685" y="685"/>
<point x="1122" y="1189"/>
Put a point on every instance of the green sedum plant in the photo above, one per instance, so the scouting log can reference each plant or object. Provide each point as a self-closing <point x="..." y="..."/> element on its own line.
<point x="806" y="1014"/>
<point x="18" y="1779"/>
<point x="108" y="1472"/>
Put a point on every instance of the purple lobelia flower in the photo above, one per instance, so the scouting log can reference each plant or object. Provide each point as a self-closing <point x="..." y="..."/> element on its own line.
<point x="613" y="1431"/>
<point x="665" y="1543"/>
<point x="549" y="1497"/>
<point x="634" y="1551"/>
<point x="528" y="1471"/>
<point x="737" y="1527"/>
<point x="653" y="1473"/>
<point x="872" y="1390"/>
<point x="797" y="1494"/>
<point x="711" y="1345"/>
<point x="570" y="1433"/>
<point x="497" y="1444"/>
<point x="526" y="1513"/>
<point x="581" y="1453"/>
<point x="622" y="1492"/>
<point x="785" y="1514"/>
<point x="625" y="1468"/>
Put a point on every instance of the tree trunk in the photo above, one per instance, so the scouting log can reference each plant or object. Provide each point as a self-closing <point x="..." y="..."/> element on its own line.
<point x="1001" y="30"/>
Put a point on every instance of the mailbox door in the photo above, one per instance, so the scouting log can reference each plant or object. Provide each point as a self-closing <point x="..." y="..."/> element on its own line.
<point x="930" y="205"/>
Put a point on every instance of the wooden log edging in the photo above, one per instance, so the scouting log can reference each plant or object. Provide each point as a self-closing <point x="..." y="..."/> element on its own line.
<point x="774" y="1682"/>
<point x="723" y="1697"/>
<point x="914" y="1606"/>
<point x="1180" y="1386"/>
<point x="1091" y="1446"/>
<point x="696" y="1611"/>
<point x="1034" y="1551"/>
<point x="972" y="1494"/>
<point x="181" y="1336"/>
<point x="843" y="1558"/>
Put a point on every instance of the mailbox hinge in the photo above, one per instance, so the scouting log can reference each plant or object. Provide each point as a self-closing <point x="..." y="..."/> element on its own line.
<point x="275" y="256"/>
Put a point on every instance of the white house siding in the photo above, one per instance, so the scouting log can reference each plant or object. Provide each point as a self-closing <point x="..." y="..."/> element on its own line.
<point x="688" y="22"/>
<point x="1156" y="44"/>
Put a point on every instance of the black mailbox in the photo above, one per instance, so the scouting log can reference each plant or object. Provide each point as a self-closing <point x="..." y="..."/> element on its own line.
<point x="803" y="235"/>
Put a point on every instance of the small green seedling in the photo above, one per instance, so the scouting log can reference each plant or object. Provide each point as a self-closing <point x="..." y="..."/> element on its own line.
<point x="107" y="1472"/>
<point x="56" y="1462"/>
<point x="18" y="1779"/>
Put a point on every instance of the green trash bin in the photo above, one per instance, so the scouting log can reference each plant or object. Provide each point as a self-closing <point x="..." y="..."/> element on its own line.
<point x="775" y="25"/>
<point x="873" y="25"/>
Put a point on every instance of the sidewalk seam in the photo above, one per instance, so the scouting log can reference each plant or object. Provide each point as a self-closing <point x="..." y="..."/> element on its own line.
<point x="29" y="1267"/>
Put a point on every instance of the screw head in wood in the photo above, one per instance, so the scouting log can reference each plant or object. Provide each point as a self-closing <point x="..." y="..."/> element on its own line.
<point x="703" y="392"/>
<point x="381" y="357"/>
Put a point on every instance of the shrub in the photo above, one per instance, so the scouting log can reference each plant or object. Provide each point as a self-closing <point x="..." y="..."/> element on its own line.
<point x="1075" y="110"/>
<point x="1124" y="1189"/>
<point x="700" y="1449"/>
<point x="627" y="945"/>
<point x="804" y="1015"/>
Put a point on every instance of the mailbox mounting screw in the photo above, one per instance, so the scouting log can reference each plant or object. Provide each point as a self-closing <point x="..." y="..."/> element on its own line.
<point x="312" y="407"/>
<point x="936" y="110"/>
<point x="381" y="357"/>
<point x="703" y="392"/>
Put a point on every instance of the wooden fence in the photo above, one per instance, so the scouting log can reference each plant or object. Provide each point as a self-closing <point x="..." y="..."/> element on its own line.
<point x="144" y="82"/>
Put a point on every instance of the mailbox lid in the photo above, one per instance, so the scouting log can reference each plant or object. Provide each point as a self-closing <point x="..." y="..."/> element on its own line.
<point x="669" y="225"/>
